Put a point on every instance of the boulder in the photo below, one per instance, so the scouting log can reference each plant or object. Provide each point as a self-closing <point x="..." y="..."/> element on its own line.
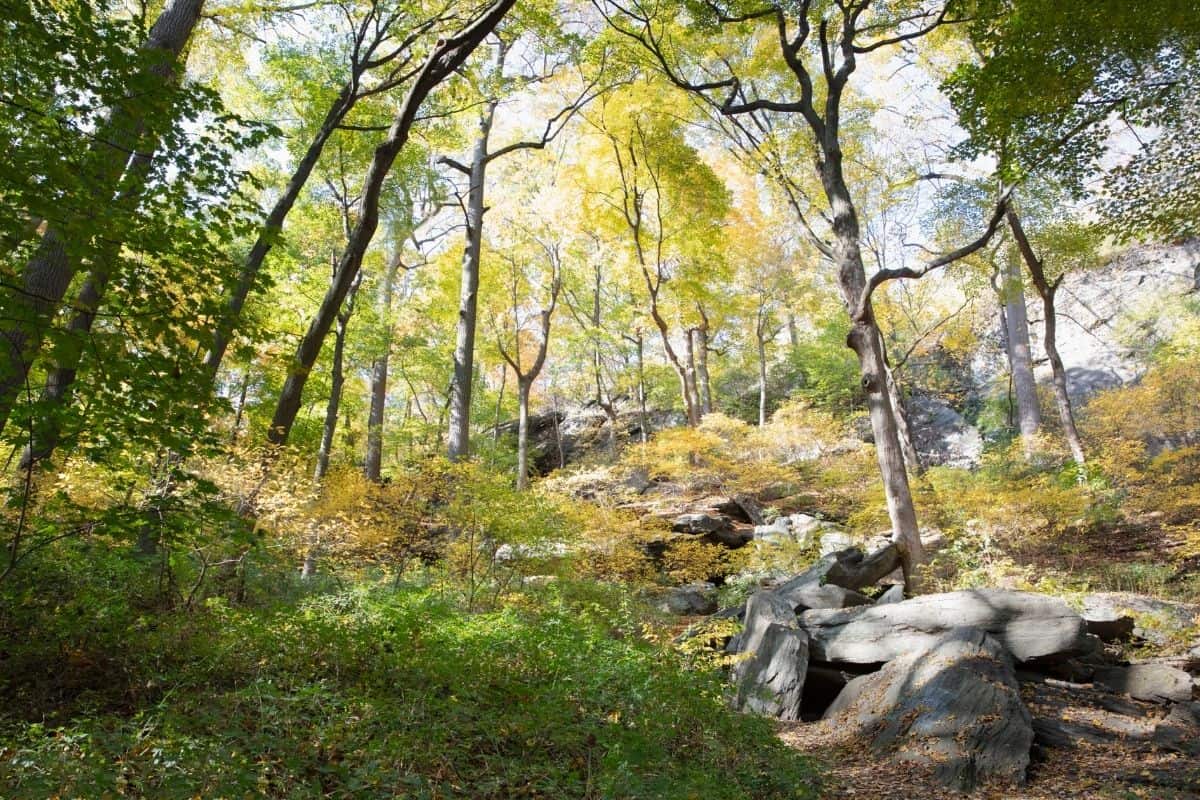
<point x="833" y="540"/>
<point x="1107" y="623"/>
<point x="763" y="609"/>
<point x="809" y="595"/>
<point x="953" y="705"/>
<point x="847" y="568"/>
<point x="1031" y="626"/>
<point x="1180" y="731"/>
<point x="694" y="599"/>
<point x="701" y="523"/>
<point x="1156" y="683"/>
<point x="733" y="537"/>
<point x="776" y="532"/>
<point x="770" y="678"/>
<point x="893" y="594"/>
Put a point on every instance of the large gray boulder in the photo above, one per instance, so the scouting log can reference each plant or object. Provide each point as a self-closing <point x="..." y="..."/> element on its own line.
<point x="1031" y="626"/>
<point x="763" y="609"/>
<point x="1156" y="683"/>
<point x="769" y="679"/>
<point x="847" y="568"/>
<point x="1180" y="731"/>
<point x="953" y="705"/>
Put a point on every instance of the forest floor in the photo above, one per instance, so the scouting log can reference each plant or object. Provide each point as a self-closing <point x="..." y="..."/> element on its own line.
<point x="1130" y="555"/>
<point x="1114" y="771"/>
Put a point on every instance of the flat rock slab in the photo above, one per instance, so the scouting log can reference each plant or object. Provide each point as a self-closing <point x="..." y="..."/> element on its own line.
<point x="808" y="596"/>
<point x="954" y="705"/>
<point x="1156" y="683"/>
<point x="1029" y="625"/>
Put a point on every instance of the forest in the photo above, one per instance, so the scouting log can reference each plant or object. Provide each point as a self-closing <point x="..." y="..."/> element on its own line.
<point x="495" y="399"/>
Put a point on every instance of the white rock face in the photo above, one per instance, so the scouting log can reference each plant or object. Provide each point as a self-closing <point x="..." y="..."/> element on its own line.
<point x="1110" y="318"/>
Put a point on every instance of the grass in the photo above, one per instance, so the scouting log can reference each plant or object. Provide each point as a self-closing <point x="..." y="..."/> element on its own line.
<point x="371" y="691"/>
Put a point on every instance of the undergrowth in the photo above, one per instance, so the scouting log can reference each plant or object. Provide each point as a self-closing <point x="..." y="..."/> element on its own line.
<point x="369" y="690"/>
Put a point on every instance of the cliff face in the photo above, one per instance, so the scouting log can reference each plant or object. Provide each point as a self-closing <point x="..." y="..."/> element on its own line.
<point x="1112" y="318"/>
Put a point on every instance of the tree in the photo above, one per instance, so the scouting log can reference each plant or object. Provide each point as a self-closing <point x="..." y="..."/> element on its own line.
<point x="818" y="51"/>
<point x="1047" y="289"/>
<point x="380" y="44"/>
<point x="670" y="205"/>
<point x="442" y="62"/>
<point x="557" y="50"/>
<point x="513" y="338"/>
<point x="132" y="122"/>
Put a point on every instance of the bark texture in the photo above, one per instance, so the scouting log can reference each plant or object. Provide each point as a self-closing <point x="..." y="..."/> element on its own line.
<point x="1020" y="355"/>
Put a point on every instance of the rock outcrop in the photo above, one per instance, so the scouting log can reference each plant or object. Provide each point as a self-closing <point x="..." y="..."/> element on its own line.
<point x="769" y="679"/>
<point x="1030" y="626"/>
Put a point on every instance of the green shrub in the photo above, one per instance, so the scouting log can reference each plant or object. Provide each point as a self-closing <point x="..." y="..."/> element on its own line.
<point x="369" y="692"/>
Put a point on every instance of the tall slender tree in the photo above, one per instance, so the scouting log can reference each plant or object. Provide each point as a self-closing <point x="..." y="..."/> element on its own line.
<point x="445" y="59"/>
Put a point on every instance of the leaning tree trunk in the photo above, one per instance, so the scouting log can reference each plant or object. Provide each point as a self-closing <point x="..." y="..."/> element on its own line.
<point x="273" y="225"/>
<point x="446" y="58"/>
<point x="1047" y="292"/>
<point x="30" y="309"/>
<point x="1020" y="356"/>
<point x="60" y="378"/>
<point x="459" y="439"/>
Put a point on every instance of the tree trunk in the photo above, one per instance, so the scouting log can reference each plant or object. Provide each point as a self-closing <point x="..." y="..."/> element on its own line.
<point x="1047" y="292"/>
<point x="241" y="408"/>
<point x="864" y="338"/>
<point x="911" y="457"/>
<point x="379" y="380"/>
<point x="693" y="398"/>
<point x="704" y="387"/>
<point x="1020" y="356"/>
<point x="499" y="404"/>
<point x="641" y="368"/>
<point x="273" y="226"/>
<point x="60" y="378"/>
<point x="337" y="381"/>
<point x="459" y="439"/>
<point x="762" y="378"/>
<point x="523" y="386"/>
<point x="30" y="310"/>
<point x="446" y="58"/>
